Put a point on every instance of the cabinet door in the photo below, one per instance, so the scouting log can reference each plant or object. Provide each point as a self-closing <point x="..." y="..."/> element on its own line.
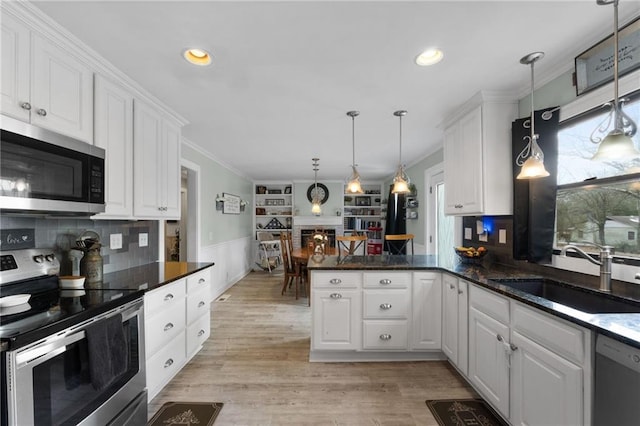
<point x="427" y="311"/>
<point x="470" y="160"/>
<point x="546" y="388"/>
<point x="488" y="359"/>
<point x="336" y="319"/>
<point x="61" y="91"/>
<point x="450" y="317"/>
<point x="453" y="169"/>
<point x="147" y="137"/>
<point x="463" y="326"/>
<point x="171" y="172"/>
<point x="14" y="68"/>
<point x="114" y="133"/>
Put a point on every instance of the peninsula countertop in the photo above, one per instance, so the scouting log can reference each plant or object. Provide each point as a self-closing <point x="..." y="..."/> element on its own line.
<point x="624" y="327"/>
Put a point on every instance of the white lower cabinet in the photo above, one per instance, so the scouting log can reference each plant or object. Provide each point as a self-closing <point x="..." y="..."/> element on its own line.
<point x="336" y="319"/>
<point x="534" y="368"/>
<point x="426" y="329"/>
<point x="455" y="321"/>
<point x="177" y="322"/>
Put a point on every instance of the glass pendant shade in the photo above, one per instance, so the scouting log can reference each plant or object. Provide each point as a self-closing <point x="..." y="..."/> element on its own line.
<point x="400" y="181"/>
<point x="616" y="146"/>
<point x="315" y="203"/>
<point x="353" y="186"/>
<point x="315" y="208"/>
<point x="532" y="168"/>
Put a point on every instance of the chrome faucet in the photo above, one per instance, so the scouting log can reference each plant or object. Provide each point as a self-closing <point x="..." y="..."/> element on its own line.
<point x="606" y="259"/>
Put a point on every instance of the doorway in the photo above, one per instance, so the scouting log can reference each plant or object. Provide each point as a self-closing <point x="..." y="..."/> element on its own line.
<point x="441" y="229"/>
<point x="182" y="240"/>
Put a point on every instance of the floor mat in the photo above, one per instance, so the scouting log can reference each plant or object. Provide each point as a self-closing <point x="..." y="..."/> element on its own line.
<point x="459" y="412"/>
<point x="186" y="414"/>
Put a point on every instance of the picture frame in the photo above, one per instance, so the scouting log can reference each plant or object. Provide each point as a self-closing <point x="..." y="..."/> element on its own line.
<point x="594" y="67"/>
<point x="231" y="204"/>
<point x="281" y="202"/>
<point x="274" y="191"/>
<point x="287" y="189"/>
<point x="363" y="201"/>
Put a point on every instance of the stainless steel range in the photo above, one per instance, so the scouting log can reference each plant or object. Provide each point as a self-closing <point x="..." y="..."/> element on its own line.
<point x="54" y="341"/>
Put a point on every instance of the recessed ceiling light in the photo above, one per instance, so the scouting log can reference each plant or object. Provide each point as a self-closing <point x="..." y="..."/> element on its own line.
<point x="429" y="57"/>
<point x="197" y="56"/>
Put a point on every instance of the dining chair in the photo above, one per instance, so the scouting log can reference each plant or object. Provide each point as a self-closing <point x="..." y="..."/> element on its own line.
<point x="350" y="243"/>
<point x="290" y="273"/>
<point x="399" y="243"/>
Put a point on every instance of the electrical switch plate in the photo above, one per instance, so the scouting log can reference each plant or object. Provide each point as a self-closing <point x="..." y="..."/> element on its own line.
<point x="467" y="233"/>
<point x="115" y="241"/>
<point x="502" y="236"/>
<point x="143" y="239"/>
<point x="483" y="237"/>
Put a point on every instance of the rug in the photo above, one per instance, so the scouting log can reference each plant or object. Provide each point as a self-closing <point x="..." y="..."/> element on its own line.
<point x="462" y="412"/>
<point x="186" y="414"/>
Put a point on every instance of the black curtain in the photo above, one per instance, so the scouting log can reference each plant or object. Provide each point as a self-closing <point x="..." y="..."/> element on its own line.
<point x="396" y="222"/>
<point x="534" y="200"/>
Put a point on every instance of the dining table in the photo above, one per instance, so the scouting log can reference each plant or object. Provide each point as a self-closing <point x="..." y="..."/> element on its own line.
<point x="300" y="258"/>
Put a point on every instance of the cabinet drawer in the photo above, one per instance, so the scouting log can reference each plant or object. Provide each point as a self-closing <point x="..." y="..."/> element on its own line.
<point x="165" y="364"/>
<point x="161" y="328"/>
<point x="164" y="297"/>
<point x="197" y="333"/>
<point x="336" y="279"/>
<point x="197" y="305"/>
<point x="381" y="304"/>
<point x="489" y="303"/>
<point x="384" y="335"/>
<point x="199" y="280"/>
<point x="387" y="279"/>
<point x="558" y="336"/>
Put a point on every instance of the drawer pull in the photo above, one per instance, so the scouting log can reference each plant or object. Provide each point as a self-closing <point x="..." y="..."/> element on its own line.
<point x="169" y="296"/>
<point x="201" y="304"/>
<point x="26" y="105"/>
<point x="385" y="281"/>
<point x="385" y="306"/>
<point x="168" y="327"/>
<point x="42" y="112"/>
<point x="201" y="332"/>
<point x="335" y="281"/>
<point x="201" y="280"/>
<point x="168" y="363"/>
<point x="335" y="296"/>
<point x="385" y="337"/>
<point x="458" y="206"/>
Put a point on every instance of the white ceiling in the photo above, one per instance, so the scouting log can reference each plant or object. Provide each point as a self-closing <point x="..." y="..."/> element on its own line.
<point x="284" y="74"/>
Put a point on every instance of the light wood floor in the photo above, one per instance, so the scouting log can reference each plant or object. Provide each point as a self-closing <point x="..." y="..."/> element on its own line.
<point x="257" y="363"/>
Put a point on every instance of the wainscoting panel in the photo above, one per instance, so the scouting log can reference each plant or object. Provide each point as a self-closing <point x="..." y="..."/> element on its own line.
<point x="232" y="262"/>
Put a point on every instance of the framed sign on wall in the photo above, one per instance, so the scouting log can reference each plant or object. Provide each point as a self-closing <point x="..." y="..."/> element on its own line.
<point x="231" y="204"/>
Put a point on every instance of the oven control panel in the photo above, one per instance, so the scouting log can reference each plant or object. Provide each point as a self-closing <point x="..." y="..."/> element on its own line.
<point x="16" y="265"/>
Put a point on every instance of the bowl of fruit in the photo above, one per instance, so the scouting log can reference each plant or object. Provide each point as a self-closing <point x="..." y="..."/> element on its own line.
<point x="471" y="254"/>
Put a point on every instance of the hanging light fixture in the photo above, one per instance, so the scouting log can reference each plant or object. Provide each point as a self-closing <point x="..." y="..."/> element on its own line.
<point x="618" y="143"/>
<point x="531" y="158"/>
<point x="400" y="180"/>
<point x="315" y="204"/>
<point x="353" y="185"/>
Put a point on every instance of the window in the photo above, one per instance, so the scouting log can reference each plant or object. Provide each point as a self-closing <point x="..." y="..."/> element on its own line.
<point x="597" y="202"/>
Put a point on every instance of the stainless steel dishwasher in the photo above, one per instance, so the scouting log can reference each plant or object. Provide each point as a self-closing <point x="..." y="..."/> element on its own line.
<point x="617" y="383"/>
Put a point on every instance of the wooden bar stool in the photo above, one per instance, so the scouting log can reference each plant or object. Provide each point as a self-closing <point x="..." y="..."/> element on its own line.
<point x="402" y="243"/>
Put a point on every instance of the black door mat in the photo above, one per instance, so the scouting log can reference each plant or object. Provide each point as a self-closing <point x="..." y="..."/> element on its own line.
<point x="459" y="412"/>
<point x="186" y="414"/>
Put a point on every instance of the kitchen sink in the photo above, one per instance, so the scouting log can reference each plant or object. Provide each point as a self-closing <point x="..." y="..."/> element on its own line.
<point x="579" y="298"/>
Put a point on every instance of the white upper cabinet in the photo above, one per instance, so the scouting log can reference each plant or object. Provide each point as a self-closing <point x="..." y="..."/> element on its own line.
<point x="156" y="153"/>
<point x="477" y="157"/>
<point x="43" y="84"/>
<point x="114" y="133"/>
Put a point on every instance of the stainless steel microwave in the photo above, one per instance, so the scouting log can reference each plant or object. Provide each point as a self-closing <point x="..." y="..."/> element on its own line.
<point x="46" y="172"/>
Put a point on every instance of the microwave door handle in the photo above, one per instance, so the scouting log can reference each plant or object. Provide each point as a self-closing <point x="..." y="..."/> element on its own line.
<point x="47" y="350"/>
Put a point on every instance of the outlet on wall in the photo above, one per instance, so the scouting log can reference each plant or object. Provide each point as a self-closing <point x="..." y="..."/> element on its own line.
<point x="143" y="239"/>
<point x="115" y="241"/>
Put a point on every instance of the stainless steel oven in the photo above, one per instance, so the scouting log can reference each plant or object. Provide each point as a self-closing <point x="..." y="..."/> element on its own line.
<point x="52" y="382"/>
<point x="45" y="172"/>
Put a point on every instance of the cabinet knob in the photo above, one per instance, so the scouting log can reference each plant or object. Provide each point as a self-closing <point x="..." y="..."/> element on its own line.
<point x="26" y="105"/>
<point x="460" y="291"/>
<point x="335" y="281"/>
<point x="201" y="280"/>
<point x="499" y="337"/>
<point x="201" y="332"/>
<point x="41" y="112"/>
<point x="335" y="296"/>
<point x="169" y="296"/>
<point x="168" y="327"/>
<point x="385" y="337"/>
<point x="385" y="281"/>
<point x="385" y="306"/>
<point x="513" y="347"/>
<point x="201" y="304"/>
<point x="452" y="287"/>
<point x="168" y="363"/>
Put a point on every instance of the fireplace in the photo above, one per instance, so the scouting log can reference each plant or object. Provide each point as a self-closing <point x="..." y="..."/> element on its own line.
<point x="307" y="234"/>
<point x="332" y="225"/>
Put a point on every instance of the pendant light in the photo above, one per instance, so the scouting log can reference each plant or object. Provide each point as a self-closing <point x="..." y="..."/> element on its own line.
<point x="531" y="158"/>
<point x="618" y="143"/>
<point x="315" y="204"/>
<point x="353" y="185"/>
<point x="400" y="180"/>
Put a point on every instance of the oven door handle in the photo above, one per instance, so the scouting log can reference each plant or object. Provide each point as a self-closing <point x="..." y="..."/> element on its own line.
<point x="47" y="350"/>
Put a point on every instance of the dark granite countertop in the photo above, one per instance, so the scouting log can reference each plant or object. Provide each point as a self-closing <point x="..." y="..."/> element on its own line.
<point x="624" y="327"/>
<point x="151" y="276"/>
